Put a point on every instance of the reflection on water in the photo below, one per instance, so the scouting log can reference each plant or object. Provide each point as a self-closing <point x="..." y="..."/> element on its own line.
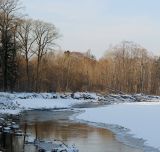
<point x="11" y="143"/>
<point x="44" y="125"/>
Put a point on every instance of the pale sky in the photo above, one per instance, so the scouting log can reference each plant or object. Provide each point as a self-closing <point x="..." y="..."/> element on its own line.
<point x="97" y="24"/>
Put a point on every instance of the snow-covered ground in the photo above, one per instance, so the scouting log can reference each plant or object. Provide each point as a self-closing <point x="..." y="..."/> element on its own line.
<point x="17" y="105"/>
<point x="142" y="119"/>
<point x="13" y="103"/>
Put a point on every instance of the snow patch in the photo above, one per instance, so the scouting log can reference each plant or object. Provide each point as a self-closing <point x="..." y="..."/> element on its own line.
<point x="142" y="119"/>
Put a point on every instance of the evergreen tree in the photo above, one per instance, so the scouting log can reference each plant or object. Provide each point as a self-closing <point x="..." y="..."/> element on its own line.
<point x="8" y="48"/>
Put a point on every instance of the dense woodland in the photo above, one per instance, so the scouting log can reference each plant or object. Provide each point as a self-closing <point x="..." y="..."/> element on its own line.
<point x="29" y="61"/>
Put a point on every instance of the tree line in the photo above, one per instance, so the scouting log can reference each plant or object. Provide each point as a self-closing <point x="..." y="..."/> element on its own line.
<point x="21" y="38"/>
<point x="28" y="61"/>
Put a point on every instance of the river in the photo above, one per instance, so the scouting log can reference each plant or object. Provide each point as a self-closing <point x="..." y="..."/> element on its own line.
<point x="50" y="125"/>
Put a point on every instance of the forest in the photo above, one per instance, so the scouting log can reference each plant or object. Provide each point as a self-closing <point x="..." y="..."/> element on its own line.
<point x="30" y="62"/>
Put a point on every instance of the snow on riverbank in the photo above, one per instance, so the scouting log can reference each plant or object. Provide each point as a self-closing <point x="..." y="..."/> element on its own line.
<point x="13" y="103"/>
<point x="46" y="103"/>
<point x="18" y="105"/>
<point x="143" y="119"/>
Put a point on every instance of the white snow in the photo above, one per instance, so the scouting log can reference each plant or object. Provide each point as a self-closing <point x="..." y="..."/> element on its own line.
<point x="14" y="103"/>
<point x="10" y="111"/>
<point x="40" y="103"/>
<point x="143" y="119"/>
<point x="46" y="103"/>
<point x="82" y="95"/>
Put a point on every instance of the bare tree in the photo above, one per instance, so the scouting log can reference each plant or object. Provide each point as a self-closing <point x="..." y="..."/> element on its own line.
<point x="45" y="34"/>
<point x="26" y="40"/>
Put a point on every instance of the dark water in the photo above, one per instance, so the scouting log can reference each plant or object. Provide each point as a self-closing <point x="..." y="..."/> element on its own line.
<point x="49" y="125"/>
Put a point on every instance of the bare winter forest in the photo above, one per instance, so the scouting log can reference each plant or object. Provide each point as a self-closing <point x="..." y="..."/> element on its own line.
<point x="30" y="62"/>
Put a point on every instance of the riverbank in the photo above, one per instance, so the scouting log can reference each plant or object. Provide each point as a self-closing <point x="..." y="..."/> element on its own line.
<point x="60" y="127"/>
<point x="14" y="103"/>
<point x="37" y="118"/>
<point x="18" y="102"/>
<point x="135" y="124"/>
<point x="16" y="134"/>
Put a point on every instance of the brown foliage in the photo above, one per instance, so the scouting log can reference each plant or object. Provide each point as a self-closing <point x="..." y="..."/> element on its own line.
<point x="127" y="68"/>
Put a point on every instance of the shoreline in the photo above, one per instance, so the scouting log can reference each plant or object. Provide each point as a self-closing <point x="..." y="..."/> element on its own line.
<point x="44" y="101"/>
<point x="121" y="134"/>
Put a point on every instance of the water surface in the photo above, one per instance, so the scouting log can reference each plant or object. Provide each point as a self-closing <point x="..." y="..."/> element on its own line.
<point x="50" y="125"/>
